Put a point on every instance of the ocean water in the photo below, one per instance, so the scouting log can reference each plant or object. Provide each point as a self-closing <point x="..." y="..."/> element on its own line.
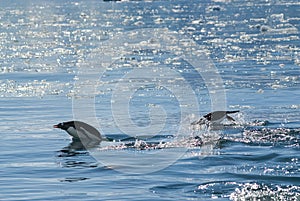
<point x="53" y="57"/>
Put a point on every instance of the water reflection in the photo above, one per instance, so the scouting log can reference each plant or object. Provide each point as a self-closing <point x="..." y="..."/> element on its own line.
<point x="76" y="155"/>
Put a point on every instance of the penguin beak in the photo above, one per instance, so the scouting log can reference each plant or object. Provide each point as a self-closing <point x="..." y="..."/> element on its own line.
<point x="55" y="126"/>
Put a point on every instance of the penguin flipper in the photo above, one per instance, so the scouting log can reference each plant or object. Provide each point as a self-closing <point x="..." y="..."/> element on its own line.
<point x="230" y="118"/>
<point x="231" y="112"/>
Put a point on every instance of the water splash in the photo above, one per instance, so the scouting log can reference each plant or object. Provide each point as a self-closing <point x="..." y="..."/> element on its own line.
<point x="280" y="136"/>
<point x="256" y="191"/>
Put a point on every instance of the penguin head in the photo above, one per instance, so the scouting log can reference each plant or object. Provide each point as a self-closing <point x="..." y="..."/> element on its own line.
<point x="64" y="125"/>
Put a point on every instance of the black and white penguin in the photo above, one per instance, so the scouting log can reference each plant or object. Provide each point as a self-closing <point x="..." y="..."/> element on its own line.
<point x="215" y="117"/>
<point x="80" y="131"/>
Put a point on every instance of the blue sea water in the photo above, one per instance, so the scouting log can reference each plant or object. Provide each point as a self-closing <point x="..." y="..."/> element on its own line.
<point x="44" y="47"/>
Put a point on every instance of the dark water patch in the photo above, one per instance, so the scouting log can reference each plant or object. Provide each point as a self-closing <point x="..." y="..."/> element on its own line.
<point x="74" y="179"/>
<point x="254" y="158"/>
<point x="168" y="191"/>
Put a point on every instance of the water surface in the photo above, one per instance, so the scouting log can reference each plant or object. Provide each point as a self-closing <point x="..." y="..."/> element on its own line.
<point x="254" y="46"/>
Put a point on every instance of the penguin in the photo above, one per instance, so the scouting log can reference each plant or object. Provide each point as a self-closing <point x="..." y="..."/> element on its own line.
<point x="81" y="131"/>
<point x="215" y="117"/>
